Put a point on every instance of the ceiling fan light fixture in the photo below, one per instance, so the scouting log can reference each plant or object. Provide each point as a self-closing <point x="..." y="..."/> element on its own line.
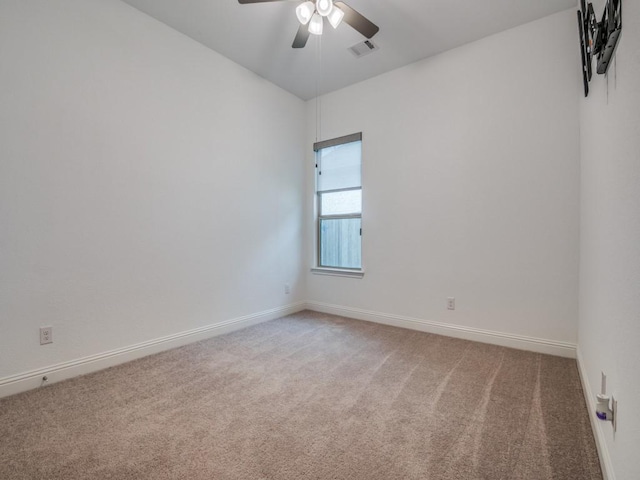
<point x="304" y="12"/>
<point x="324" y="7"/>
<point x="315" y="26"/>
<point x="335" y="17"/>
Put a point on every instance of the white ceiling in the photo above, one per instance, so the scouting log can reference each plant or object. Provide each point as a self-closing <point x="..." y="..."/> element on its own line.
<point x="259" y="36"/>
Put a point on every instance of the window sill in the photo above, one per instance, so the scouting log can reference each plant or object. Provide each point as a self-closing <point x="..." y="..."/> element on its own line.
<point x="337" y="272"/>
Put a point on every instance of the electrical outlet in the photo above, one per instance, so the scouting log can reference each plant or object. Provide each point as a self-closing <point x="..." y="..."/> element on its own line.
<point x="287" y="288"/>
<point x="46" y="335"/>
<point x="451" y="303"/>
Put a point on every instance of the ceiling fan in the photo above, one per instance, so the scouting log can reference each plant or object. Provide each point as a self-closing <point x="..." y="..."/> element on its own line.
<point x="311" y="15"/>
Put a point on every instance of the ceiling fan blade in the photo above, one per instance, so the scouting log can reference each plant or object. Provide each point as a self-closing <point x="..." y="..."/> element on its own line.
<point x="301" y="37"/>
<point x="357" y="20"/>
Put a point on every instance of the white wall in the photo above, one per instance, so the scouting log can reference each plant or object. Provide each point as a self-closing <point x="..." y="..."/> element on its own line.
<point x="609" y="327"/>
<point x="471" y="185"/>
<point x="148" y="185"/>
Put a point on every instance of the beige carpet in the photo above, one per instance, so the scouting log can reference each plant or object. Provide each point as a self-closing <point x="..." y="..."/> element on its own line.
<point x="309" y="396"/>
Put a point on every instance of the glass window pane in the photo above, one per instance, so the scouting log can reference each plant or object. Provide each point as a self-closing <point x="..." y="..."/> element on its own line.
<point x="341" y="203"/>
<point x="340" y="166"/>
<point x="340" y="244"/>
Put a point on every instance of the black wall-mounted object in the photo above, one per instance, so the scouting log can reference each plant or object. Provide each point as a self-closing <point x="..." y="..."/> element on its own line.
<point x="611" y="27"/>
<point x="584" y="36"/>
<point x="598" y="39"/>
<point x="583" y="54"/>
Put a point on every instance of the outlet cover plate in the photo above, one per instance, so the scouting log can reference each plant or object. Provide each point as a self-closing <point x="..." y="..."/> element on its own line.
<point x="46" y="335"/>
<point x="451" y="303"/>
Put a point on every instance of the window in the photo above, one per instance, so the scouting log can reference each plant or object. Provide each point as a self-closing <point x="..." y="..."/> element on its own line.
<point x="339" y="202"/>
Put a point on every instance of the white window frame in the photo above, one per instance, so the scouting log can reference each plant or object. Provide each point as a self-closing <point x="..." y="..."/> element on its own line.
<point x="324" y="270"/>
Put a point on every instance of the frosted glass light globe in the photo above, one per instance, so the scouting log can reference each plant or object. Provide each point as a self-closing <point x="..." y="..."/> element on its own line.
<point x="304" y="12"/>
<point x="324" y="7"/>
<point x="315" y="26"/>
<point x="335" y="17"/>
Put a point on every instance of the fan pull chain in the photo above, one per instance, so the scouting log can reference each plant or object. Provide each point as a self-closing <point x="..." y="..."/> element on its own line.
<point x="318" y="101"/>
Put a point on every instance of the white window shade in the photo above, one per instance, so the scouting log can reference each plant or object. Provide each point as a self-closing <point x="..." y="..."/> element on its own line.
<point x="340" y="167"/>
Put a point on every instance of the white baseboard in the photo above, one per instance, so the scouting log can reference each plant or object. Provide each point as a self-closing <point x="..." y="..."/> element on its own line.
<point x="540" y="345"/>
<point x="81" y="366"/>
<point x="62" y="371"/>
<point x="596" y="424"/>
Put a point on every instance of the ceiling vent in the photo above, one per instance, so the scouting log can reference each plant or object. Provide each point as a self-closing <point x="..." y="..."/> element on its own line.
<point x="363" y="48"/>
